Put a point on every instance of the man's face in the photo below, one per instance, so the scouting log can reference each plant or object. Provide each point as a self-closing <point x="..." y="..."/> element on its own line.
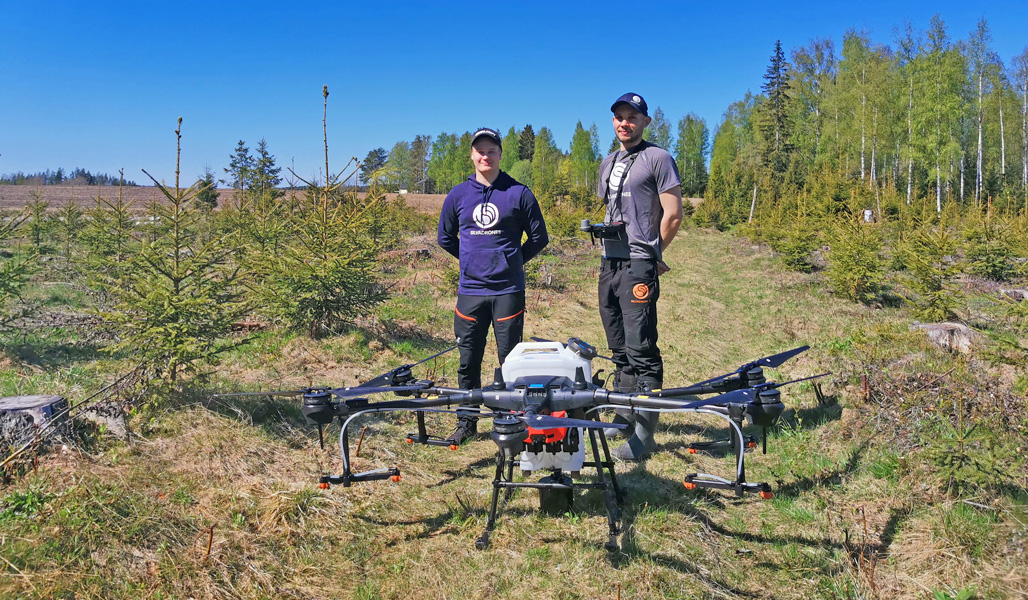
<point x="629" y="124"/>
<point x="486" y="156"/>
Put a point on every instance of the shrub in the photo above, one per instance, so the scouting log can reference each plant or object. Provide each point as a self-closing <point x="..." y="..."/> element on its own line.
<point x="931" y="265"/>
<point x="854" y="261"/>
<point x="178" y="298"/>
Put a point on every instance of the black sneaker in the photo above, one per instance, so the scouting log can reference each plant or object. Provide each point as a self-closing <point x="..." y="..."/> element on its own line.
<point x="467" y="429"/>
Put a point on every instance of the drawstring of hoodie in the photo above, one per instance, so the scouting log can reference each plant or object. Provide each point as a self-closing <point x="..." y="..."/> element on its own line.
<point x="486" y="192"/>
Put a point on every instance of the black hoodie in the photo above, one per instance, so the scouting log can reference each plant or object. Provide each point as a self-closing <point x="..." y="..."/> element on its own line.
<point x="482" y="226"/>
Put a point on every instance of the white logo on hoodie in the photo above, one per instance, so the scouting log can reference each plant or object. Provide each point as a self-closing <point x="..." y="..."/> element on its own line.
<point x="486" y="215"/>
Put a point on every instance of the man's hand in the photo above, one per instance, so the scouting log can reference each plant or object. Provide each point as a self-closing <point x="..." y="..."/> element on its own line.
<point x="662" y="267"/>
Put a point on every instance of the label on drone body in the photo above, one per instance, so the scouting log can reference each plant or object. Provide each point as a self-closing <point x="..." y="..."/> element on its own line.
<point x="542" y="352"/>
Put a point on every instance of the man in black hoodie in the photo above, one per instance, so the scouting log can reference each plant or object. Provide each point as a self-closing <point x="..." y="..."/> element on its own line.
<point x="482" y="223"/>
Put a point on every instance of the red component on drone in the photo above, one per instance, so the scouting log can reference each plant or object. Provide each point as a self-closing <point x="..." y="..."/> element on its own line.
<point x="552" y="435"/>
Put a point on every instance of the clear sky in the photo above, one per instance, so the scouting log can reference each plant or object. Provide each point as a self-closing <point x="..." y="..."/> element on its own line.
<point x="100" y="84"/>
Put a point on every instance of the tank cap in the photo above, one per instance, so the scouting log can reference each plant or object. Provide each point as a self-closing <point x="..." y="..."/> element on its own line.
<point x="583" y="349"/>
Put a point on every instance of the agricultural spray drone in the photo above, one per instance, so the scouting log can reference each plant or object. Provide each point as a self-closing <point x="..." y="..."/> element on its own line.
<point x="544" y="403"/>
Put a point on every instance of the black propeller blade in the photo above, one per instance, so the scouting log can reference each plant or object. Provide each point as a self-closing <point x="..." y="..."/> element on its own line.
<point x="272" y="393"/>
<point x="551" y="422"/>
<point x="773" y="361"/>
<point x="748" y="394"/>
<point x="361" y="390"/>
<point x="387" y="377"/>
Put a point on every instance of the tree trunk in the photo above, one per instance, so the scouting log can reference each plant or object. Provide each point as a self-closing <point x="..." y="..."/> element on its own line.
<point x="1024" y="139"/>
<point x="874" y="145"/>
<point x="910" y="142"/>
<point x="1002" y="140"/>
<point x="753" y="204"/>
<point x="978" y="159"/>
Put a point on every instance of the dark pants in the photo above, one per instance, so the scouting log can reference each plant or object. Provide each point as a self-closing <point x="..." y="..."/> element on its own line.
<point x="629" y="290"/>
<point x="474" y="314"/>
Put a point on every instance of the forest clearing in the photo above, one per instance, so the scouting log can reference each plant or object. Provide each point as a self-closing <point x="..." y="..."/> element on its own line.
<point x="217" y="497"/>
<point x="881" y="219"/>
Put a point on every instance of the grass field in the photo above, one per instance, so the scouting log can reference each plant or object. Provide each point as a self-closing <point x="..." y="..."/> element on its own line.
<point x="217" y="498"/>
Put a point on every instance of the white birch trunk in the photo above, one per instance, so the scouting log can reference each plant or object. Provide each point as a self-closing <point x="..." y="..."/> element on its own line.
<point x="1002" y="140"/>
<point x="910" y="142"/>
<point x="753" y="205"/>
<point x="978" y="159"/>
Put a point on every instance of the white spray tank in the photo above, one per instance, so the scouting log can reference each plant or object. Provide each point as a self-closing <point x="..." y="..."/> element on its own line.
<point x="553" y="359"/>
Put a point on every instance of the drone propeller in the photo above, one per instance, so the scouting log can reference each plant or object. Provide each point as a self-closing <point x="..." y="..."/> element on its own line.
<point x="298" y="392"/>
<point x="773" y="361"/>
<point x="551" y="422"/>
<point x="387" y="377"/>
<point x="361" y="390"/>
<point x="746" y="394"/>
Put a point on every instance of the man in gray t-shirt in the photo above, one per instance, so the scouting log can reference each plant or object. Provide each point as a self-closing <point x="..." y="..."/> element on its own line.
<point x="640" y="186"/>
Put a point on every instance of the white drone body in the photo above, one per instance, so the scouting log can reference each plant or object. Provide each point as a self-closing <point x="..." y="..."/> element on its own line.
<point x="552" y="359"/>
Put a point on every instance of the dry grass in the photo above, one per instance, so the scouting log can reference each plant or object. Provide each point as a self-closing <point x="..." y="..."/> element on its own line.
<point x="217" y="498"/>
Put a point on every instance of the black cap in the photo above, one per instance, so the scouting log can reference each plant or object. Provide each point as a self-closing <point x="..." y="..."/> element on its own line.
<point x="487" y="133"/>
<point x="634" y="100"/>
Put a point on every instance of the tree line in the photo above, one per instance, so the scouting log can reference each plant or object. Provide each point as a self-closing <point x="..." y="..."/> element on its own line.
<point x="928" y="119"/>
<point x="78" y="176"/>
<point x="427" y="165"/>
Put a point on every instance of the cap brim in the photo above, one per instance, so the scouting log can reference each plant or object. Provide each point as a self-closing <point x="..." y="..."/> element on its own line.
<point x="487" y="136"/>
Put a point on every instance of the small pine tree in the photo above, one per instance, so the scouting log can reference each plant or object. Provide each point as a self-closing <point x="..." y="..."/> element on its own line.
<point x="325" y="276"/>
<point x="855" y="266"/>
<point x="68" y="225"/>
<point x="931" y="262"/>
<point x="207" y="194"/>
<point x="15" y="270"/>
<point x="177" y="299"/>
<point x="40" y="223"/>
<point x="108" y="238"/>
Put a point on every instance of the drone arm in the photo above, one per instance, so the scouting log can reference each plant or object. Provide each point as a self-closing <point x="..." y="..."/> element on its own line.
<point x="413" y="404"/>
<point x="638" y="401"/>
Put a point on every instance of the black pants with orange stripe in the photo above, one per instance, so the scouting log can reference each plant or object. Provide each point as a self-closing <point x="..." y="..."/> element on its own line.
<point x="471" y="321"/>
<point x="628" y="291"/>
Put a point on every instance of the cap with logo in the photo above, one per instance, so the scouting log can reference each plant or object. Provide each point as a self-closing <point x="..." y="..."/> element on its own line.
<point x="487" y="133"/>
<point x="634" y="100"/>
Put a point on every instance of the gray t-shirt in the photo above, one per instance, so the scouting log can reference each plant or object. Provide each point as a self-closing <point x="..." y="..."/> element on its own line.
<point x="651" y="172"/>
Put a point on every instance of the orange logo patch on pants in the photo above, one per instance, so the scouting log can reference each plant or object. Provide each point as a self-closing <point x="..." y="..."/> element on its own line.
<point x="641" y="292"/>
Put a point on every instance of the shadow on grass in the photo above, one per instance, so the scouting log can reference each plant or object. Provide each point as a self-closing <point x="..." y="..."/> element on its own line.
<point x="469" y="470"/>
<point x="52" y="352"/>
<point x="276" y="416"/>
<point x="391" y="333"/>
<point x="450" y="519"/>
<point x="646" y="489"/>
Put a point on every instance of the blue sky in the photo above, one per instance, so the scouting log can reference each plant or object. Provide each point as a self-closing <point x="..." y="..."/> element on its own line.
<point x="100" y="84"/>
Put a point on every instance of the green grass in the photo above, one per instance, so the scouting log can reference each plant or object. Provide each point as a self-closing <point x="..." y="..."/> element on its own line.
<point x="134" y="519"/>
